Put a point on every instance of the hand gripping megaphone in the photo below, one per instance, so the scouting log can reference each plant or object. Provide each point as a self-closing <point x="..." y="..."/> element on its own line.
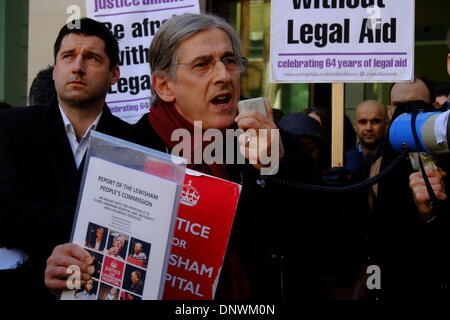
<point x="425" y="133"/>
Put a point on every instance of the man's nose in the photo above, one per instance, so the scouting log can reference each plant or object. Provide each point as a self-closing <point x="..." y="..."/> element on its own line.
<point x="368" y="126"/>
<point x="220" y="73"/>
<point x="78" y="65"/>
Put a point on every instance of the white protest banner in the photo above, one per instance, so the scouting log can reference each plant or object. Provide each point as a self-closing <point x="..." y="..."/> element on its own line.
<point x="342" y="40"/>
<point x="134" y="23"/>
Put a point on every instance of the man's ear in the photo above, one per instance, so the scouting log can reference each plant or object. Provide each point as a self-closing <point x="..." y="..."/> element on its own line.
<point x="160" y="83"/>
<point x="115" y="72"/>
<point x="448" y="64"/>
<point x="390" y="112"/>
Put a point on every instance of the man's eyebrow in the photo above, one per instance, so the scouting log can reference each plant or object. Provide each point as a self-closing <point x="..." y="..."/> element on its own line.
<point x="204" y="57"/>
<point x="209" y="56"/>
<point x="229" y="53"/>
<point x="87" y="52"/>
<point x="67" y="51"/>
<point x="92" y="52"/>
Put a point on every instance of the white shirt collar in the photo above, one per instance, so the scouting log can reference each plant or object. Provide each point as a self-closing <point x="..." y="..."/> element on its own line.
<point x="69" y="127"/>
<point x="78" y="147"/>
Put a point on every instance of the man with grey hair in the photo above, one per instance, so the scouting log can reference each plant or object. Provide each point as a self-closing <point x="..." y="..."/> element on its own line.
<point x="196" y="66"/>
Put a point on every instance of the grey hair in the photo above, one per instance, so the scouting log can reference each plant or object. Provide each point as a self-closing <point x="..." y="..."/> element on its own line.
<point x="164" y="47"/>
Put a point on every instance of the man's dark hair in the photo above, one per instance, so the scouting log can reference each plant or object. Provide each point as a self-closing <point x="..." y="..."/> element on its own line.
<point x="42" y="90"/>
<point x="89" y="27"/>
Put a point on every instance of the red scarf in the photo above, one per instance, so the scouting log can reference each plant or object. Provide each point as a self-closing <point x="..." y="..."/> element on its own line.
<point x="164" y="119"/>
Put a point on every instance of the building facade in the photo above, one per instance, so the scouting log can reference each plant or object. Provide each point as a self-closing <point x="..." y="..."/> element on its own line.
<point x="29" y="27"/>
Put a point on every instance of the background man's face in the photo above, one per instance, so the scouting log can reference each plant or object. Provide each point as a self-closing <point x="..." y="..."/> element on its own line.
<point x="211" y="98"/>
<point x="81" y="74"/>
<point x="370" y="124"/>
<point x="408" y="91"/>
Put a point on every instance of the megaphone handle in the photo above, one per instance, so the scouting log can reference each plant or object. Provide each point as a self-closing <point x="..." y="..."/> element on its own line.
<point x="434" y="202"/>
<point x="427" y="160"/>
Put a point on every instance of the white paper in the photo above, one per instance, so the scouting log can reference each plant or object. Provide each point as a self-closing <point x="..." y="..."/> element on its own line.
<point x="299" y="53"/>
<point x="139" y="207"/>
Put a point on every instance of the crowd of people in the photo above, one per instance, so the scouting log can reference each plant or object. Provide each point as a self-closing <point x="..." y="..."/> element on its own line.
<point x="286" y="243"/>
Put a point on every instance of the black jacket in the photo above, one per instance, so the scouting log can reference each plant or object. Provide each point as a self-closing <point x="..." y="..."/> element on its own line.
<point x="270" y="227"/>
<point x="413" y="255"/>
<point x="39" y="180"/>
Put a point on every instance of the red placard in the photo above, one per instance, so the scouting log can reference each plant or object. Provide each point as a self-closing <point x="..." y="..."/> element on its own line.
<point x="202" y="230"/>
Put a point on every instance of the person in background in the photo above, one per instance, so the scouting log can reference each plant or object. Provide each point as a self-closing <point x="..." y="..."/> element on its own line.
<point x="324" y="117"/>
<point x="401" y="92"/>
<point x="309" y="131"/>
<point x="370" y="126"/>
<point x="42" y="90"/>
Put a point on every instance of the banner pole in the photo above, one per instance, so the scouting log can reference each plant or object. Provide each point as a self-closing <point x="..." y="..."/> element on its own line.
<point x="337" y="125"/>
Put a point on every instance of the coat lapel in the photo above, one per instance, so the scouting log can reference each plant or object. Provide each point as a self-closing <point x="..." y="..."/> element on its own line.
<point x="58" y="145"/>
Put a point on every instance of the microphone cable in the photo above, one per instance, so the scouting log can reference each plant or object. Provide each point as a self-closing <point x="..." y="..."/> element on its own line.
<point x="403" y="154"/>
